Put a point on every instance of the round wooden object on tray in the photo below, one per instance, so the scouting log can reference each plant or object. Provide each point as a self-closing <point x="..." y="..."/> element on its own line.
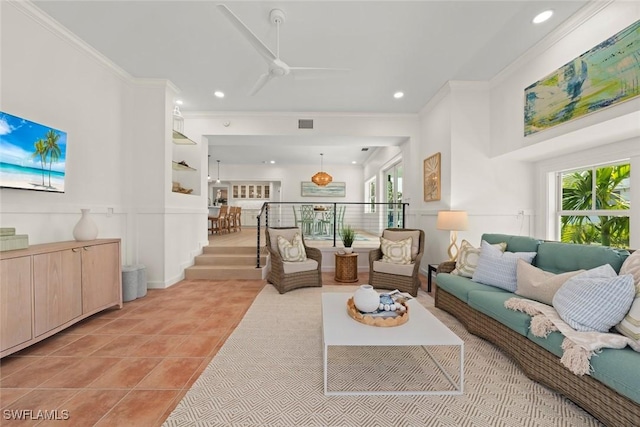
<point x="376" y="321"/>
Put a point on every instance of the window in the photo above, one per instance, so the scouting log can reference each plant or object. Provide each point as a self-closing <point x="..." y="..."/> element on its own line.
<point x="370" y="195"/>
<point x="595" y="211"/>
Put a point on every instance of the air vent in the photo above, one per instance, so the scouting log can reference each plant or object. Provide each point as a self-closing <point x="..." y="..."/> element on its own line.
<point x="365" y="149"/>
<point x="305" y="124"/>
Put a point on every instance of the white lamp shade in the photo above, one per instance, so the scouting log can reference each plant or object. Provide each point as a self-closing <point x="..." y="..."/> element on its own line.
<point x="452" y="220"/>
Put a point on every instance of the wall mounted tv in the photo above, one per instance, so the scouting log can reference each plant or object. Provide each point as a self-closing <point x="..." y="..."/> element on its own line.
<point x="32" y="156"/>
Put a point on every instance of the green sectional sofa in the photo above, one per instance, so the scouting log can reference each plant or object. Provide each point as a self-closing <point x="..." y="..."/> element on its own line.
<point x="611" y="393"/>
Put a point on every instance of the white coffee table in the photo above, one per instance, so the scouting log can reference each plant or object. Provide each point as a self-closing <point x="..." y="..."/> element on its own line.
<point x="422" y="329"/>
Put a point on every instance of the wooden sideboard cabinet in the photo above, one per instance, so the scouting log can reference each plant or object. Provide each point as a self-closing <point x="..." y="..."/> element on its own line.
<point x="47" y="288"/>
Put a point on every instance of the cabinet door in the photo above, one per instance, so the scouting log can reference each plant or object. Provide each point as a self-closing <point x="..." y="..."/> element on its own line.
<point x="101" y="277"/>
<point x="15" y="301"/>
<point x="57" y="288"/>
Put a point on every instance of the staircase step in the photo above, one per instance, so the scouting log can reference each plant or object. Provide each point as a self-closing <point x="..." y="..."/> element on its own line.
<point x="236" y="250"/>
<point x="223" y="272"/>
<point x="229" y="259"/>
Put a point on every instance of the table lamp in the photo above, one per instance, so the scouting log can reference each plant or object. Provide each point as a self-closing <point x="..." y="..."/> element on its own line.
<point x="453" y="221"/>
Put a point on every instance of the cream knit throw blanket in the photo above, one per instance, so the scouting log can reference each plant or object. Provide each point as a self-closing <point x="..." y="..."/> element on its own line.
<point x="578" y="346"/>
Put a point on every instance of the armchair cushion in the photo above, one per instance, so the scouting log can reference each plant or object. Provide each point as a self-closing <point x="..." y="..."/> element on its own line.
<point x="300" y="266"/>
<point x="401" y="235"/>
<point x="293" y="250"/>
<point x="396" y="252"/>
<point x="287" y="233"/>
<point x="391" y="268"/>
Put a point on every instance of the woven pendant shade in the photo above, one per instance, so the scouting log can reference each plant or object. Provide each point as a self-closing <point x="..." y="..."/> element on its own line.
<point x="321" y="178"/>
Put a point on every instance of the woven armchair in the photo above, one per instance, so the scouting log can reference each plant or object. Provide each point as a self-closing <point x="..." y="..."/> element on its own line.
<point x="404" y="283"/>
<point x="285" y="282"/>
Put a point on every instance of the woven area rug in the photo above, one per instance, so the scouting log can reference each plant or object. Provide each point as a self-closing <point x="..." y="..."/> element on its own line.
<point x="270" y="373"/>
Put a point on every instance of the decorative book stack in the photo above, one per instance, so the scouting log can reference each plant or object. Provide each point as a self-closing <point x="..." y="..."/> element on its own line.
<point x="10" y="241"/>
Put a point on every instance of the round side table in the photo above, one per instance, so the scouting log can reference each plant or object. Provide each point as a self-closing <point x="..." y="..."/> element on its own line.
<point x="346" y="267"/>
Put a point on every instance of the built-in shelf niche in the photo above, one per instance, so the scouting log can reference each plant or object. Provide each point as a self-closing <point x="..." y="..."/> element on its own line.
<point x="184" y="150"/>
<point x="179" y="167"/>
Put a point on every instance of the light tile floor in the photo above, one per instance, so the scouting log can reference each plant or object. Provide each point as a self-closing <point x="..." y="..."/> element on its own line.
<point x="127" y="367"/>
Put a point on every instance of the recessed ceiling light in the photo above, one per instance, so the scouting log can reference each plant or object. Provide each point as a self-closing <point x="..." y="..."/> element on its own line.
<point x="353" y="162"/>
<point x="219" y="94"/>
<point x="543" y="16"/>
<point x="272" y="162"/>
<point x="179" y="101"/>
<point x="398" y="95"/>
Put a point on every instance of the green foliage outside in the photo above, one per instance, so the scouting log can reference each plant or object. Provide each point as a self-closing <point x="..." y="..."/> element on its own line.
<point x="578" y="195"/>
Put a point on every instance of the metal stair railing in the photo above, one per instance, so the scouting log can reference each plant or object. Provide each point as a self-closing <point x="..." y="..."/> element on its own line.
<point x="365" y="216"/>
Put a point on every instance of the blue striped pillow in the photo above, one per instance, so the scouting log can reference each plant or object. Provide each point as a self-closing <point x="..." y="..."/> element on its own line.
<point x="499" y="269"/>
<point x="595" y="300"/>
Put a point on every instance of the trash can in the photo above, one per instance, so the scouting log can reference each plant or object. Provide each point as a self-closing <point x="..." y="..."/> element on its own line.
<point x="129" y="283"/>
<point x="142" y="280"/>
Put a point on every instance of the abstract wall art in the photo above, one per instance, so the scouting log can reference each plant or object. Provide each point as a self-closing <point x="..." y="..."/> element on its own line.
<point x="605" y="75"/>
<point x="432" y="178"/>
<point x="334" y="189"/>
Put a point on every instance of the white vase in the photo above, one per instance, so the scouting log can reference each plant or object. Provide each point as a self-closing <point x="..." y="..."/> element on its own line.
<point x="366" y="299"/>
<point x="85" y="229"/>
<point x="348" y="250"/>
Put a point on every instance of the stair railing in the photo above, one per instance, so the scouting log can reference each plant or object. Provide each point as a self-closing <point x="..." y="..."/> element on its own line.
<point x="381" y="215"/>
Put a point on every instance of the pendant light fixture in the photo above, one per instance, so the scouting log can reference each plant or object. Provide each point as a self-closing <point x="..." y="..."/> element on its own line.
<point x="218" y="180"/>
<point x="321" y="178"/>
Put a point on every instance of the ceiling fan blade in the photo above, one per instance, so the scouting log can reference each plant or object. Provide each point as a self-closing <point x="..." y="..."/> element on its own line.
<point x="262" y="80"/>
<point x="307" y="73"/>
<point x="248" y="34"/>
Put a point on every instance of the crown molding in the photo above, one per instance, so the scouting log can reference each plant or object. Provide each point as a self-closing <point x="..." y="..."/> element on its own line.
<point x="442" y="93"/>
<point x="54" y="27"/>
<point x="159" y="83"/>
<point x="296" y="115"/>
<point x="570" y="25"/>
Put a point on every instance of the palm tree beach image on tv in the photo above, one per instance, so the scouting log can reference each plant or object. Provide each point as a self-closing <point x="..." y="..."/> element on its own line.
<point x="32" y="156"/>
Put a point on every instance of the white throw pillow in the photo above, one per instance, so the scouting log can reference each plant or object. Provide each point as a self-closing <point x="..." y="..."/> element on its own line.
<point x="630" y="325"/>
<point x="468" y="258"/>
<point x="499" y="269"/>
<point x="292" y="251"/>
<point x="396" y="251"/>
<point x="596" y="300"/>
<point x="537" y="284"/>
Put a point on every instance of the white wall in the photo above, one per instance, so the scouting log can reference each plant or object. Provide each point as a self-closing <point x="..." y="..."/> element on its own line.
<point x="46" y="79"/>
<point x="491" y="190"/>
<point x="607" y="135"/>
<point x="118" y="152"/>
<point x="560" y="47"/>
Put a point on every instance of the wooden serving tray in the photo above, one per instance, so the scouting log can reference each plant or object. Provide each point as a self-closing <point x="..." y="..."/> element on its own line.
<point x="376" y="321"/>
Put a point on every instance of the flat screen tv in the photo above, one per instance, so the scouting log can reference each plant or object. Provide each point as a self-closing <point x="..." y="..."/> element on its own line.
<point x="32" y="156"/>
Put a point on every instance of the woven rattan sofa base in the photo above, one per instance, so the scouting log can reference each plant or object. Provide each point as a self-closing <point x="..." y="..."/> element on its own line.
<point x="602" y="402"/>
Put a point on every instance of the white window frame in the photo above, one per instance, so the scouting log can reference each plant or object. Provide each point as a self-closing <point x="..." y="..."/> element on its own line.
<point x="559" y="212"/>
<point x="368" y="195"/>
<point x="546" y="225"/>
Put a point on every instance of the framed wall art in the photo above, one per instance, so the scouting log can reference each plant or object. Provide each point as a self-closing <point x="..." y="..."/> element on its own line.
<point x="603" y="76"/>
<point x="333" y="189"/>
<point x="432" y="178"/>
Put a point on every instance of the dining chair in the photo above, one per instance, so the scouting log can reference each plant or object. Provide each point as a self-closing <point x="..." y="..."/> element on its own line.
<point x="308" y="219"/>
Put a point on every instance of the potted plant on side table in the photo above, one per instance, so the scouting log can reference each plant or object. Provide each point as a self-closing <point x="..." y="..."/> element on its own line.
<point x="348" y="235"/>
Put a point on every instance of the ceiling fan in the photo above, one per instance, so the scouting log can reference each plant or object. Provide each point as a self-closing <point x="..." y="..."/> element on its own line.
<point x="277" y="67"/>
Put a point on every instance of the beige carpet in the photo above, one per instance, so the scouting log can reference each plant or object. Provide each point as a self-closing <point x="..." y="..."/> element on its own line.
<point x="269" y="373"/>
